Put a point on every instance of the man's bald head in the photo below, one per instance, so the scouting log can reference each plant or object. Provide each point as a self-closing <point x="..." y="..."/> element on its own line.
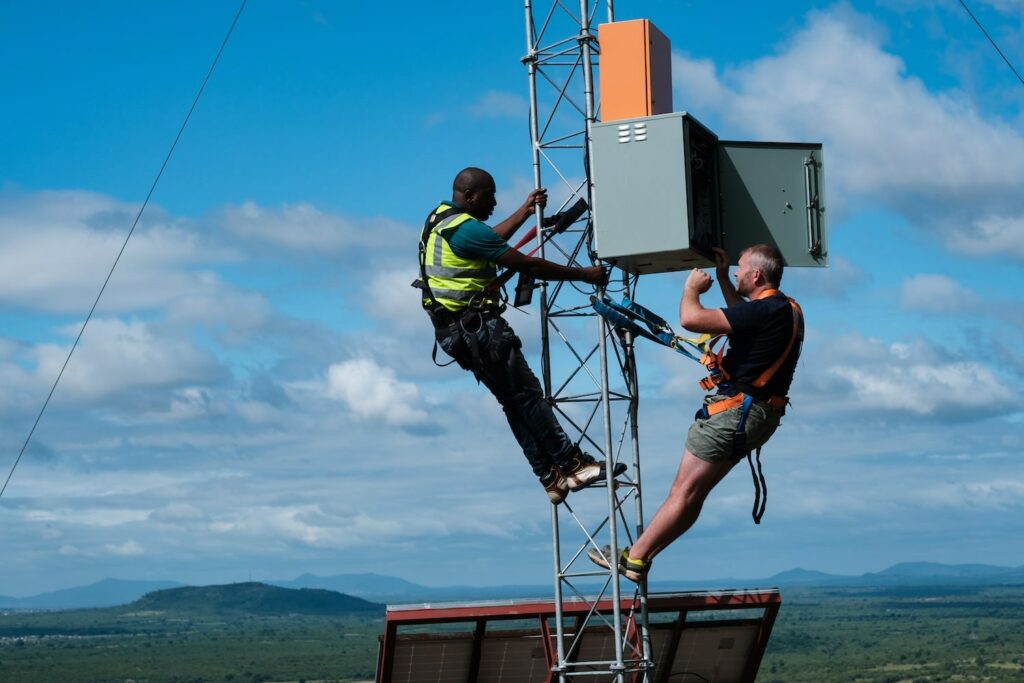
<point x="471" y="178"/>
<point x="473" y="189"/>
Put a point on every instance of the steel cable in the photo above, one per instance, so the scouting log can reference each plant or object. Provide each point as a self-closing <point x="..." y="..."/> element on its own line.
<point x="124" y="245"/>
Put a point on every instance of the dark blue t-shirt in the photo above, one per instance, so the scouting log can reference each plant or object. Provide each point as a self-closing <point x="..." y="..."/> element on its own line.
<point x="761" y="329"/>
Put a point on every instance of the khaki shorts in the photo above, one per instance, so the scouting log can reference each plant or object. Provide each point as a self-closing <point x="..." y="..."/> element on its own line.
<point x="712" y="439"/>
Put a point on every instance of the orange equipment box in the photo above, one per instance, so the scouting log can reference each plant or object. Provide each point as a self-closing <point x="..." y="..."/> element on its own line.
<point x="635" y="70"/>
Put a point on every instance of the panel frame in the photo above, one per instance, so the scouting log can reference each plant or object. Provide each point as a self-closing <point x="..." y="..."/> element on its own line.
<point x="474" y="614"/>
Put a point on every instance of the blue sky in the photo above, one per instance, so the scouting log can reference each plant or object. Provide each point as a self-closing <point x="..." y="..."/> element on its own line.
<point x="255" y="394"/>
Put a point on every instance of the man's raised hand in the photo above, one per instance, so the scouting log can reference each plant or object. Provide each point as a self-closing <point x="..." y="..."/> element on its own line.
<point x="698" y="281"/>
<point x="538" y="197"/>
<point x="721" y="261"/>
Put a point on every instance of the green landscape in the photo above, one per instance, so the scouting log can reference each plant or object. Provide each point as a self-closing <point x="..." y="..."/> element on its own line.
<point x="252" y="632"/>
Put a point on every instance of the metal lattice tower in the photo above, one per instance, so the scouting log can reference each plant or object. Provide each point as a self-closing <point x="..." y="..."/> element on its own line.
<point x="590" y="381"/>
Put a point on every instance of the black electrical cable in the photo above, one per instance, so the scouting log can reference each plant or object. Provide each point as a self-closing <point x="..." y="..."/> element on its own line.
<point x="138" y="216"/>
<point x="971" y="15"/>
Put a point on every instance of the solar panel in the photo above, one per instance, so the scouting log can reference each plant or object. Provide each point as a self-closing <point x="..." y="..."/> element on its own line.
<point x="511" y="658"/>
<point x="688" y="646"/>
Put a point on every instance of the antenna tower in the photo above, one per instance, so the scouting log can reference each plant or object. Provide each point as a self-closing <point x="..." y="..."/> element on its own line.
<point x="590" y="380"/>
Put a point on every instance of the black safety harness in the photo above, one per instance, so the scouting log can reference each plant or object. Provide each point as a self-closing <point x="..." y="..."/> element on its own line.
<point x="470" y="320"/>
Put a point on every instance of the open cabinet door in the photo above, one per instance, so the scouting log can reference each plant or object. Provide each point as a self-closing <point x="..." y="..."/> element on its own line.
<point x="774" y="193"/>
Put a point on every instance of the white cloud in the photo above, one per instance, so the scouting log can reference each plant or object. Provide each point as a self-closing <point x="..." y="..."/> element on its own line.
<point x="936" y="294"/>
<point x="510" y="197"/>
<point x="189" y="403"/>
<point x="88" y="516"/>
<point x="295" y="226"/>
<point x="51" y="484"/>
<point x="389" y="298"/>
<point x="512" y="194"/>
<point x="499" y="104"/>
<point x="991" y="236"/>
<point x="234" y="314"/>
<point x="116" y="356"/>
<point x="57" y="248"/>
<point x="1006" y="6"/>
<point x="932" y="155"/>
<point x="373" y="392"/>
<point x="995" y="495"/>
<point x="698" y="84"/>
<point x="304" y="228"/>
<point x="125" y="549"/>
<point x="839" y="280"/>
<point x="311" y="525"/>
<point x="915" y="379"/>
<point x="176" y="512"/>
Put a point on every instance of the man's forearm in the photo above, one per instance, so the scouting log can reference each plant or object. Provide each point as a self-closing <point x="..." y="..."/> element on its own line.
<point x="729" y="292"/>
<point x="546" y="270"/>
<point x="695" y="318"/>
<point x="508" y="227"/>
<point x="689" y="305"/>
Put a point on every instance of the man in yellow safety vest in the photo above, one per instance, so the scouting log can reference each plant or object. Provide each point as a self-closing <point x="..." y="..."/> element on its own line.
<point x="459" y="259"/>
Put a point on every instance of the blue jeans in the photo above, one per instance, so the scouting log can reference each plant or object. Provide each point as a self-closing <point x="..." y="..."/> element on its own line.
<point x="503" y="369"/>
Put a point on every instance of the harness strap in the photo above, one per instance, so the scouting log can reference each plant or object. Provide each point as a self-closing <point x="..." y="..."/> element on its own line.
<point x="777" y="402"/>
<point x="424" y="284"/>
<point x="744" y="401"/>
<point x="452" y="331"/>
<point x="712" y="360"/>
<point x="619" y="316"/>
<point x="760" y="487"/>
<point x="428" y="227"/>
<point x="798" y="315"/>
<point x="629" y="315"/>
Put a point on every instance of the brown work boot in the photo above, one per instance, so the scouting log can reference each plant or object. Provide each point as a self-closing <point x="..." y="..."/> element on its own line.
<point x="584" y="471"/>
<point x="555" y="485"/>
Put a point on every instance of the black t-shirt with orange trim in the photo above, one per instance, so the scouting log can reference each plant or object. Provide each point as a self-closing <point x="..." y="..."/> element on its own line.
<point x="761" y="330"/>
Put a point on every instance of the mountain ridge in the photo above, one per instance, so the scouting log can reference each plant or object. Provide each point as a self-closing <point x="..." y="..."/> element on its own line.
<point x="379" y="588"/>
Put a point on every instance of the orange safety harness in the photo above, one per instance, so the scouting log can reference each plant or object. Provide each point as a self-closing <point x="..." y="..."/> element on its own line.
<point x="628" y="316"/>
<point x="712" y="360"/>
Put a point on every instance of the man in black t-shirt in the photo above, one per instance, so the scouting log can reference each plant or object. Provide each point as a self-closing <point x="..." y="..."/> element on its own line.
<point x="765" y="331"/>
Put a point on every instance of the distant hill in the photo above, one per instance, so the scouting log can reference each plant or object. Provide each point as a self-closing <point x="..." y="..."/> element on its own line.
<point x="377" y="588"/>
<point x="803" y="576"/>
<point x="255" y="599"/>
<point x="369" y="586"/>
<point x="105" y="593"/>
<point x="932" y="573"/>
<point x="392" y="590"/>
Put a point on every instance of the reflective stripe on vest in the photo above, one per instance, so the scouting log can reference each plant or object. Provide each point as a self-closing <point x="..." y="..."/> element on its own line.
<point x="455" y="281"/>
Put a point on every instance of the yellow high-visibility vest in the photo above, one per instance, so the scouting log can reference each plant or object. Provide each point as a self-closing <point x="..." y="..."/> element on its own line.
<point x="454" y="281"/>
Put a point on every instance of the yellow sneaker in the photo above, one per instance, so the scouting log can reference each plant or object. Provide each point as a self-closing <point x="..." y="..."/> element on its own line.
<point x="632" y="569"/>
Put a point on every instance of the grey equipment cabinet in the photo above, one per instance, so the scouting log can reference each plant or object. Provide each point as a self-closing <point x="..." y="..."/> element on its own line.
<point x="773" y="192"/>
<point x="667" y="190"/>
